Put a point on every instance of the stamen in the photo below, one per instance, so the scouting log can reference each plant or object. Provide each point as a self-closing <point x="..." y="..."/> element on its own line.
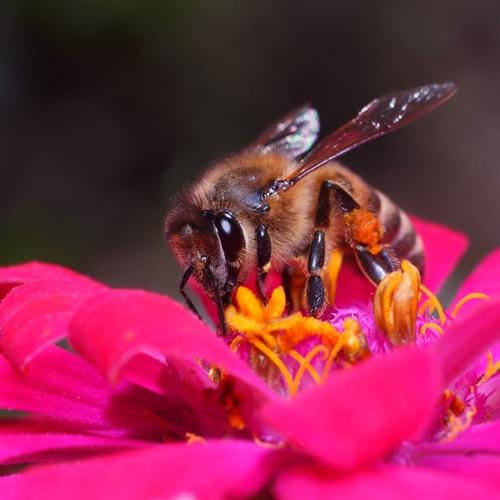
<point x="435" y="303"/>
<point x="465" y="299"/>
<point x="249" y="305"/>
<point x="305" y="363"/>
<point x="235" y="344"/>
<point x="272" y="356"/>
<point x="491" y="369"/>
<point x="333" y="354"/>
<point x="457" y="425"/>
<point x="426" y="304"/>
<point x="432" y="325"/>
<point x="395" y="304"/>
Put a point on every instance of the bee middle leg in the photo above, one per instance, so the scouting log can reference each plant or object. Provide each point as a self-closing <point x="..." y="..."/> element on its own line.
<point x="362" y="233"/>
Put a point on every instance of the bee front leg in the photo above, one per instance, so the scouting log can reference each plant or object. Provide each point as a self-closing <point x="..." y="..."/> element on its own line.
<point x="264" y="254"/>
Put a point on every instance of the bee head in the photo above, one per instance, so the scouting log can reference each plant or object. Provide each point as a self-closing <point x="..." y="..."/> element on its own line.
<point x="212" y="243"/>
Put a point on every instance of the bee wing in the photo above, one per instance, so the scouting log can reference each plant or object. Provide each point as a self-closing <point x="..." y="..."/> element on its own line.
<point x="383" y="115"/>
<point x="293" y="133"/>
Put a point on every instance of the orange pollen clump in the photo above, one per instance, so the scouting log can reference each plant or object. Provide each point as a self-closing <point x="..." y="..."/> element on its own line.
<point x="365" y="228"/>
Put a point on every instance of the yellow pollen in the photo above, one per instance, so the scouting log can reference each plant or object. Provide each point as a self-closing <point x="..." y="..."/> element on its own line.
<point x="431" y="325"/>
<point x="466" y="299"/>
<point x="192" y="438"/>
<point x="491" y="369"/>
<point x="434" y="303"/>
<point x="215" y="374"/>
<point x="273" y="336"/>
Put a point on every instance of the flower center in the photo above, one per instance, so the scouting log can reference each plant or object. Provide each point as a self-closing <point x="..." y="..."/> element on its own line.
<point x="291" y="347"/>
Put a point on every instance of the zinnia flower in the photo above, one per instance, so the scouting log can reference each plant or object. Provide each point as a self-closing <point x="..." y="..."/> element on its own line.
<point x="154" y="405"/>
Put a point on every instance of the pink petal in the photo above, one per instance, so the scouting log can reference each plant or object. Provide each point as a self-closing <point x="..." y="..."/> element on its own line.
<point x="479" y="439"/>
<point x="359" y="415"/>
<point x="444" y="247"/>
<point x="27" y="440"/>
<point x="34" y="315"/>
<point x="469" y="337"/>
<point x="484" y="279"/>
<point x="381" y="481"/>
<point x="13" y="276"/>
<point x="230" y="469"/>
<point x="63" y="388"/>
<point x="115" y="325"/>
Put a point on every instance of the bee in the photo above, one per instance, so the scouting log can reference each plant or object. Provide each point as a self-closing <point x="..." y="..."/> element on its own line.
<point x="278" y="204"/>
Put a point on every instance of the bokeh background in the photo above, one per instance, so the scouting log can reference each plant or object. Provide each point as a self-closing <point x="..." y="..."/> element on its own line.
<point x="108" y="107"/>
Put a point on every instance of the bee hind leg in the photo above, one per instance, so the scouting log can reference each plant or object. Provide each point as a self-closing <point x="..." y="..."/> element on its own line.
<point x="396" y="297"/>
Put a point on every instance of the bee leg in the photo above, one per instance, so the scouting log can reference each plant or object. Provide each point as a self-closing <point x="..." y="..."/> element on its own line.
<point x="185" y="296"/>
<point x="264" y="253"/>
<point x="396" y="298"/>
<point x="315" y="293"/>
<point x="363" y="235"/>
<point x="315" y="289"/>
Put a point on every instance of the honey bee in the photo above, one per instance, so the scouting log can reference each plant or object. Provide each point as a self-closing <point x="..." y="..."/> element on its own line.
<point x="278" y="204"/>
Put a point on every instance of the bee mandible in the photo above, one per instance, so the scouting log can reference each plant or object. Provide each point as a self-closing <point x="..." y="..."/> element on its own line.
<point x="278" y="204"/>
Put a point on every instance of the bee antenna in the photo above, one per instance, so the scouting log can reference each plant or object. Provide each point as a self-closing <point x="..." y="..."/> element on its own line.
<point x="218" y="300"/>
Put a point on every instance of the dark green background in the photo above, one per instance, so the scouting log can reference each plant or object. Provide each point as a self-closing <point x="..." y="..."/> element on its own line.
<point x="107" y="107"/>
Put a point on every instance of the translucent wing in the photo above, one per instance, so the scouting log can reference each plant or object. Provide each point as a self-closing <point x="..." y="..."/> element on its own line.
<point x="293" y="133"/>
<point x="383" y="115"/>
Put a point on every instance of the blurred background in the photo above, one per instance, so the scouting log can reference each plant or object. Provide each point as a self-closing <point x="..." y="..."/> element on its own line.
<point x="107" y="108"/>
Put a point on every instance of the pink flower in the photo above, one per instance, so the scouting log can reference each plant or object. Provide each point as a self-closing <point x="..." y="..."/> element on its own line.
<point x="136" y="415"/>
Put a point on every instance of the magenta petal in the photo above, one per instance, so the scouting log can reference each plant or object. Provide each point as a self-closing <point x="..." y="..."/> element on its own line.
<point x="12" y="276"/>
<point x="359" y="415"/>
<point x="61" y="387"/>
<point x="115" y="325"/>
<point x="33" y="441"/>
<point x="382" y="481"/>
<point x="469" y="337"/>
<point x="37" y="314"/>
<point x="484" y="279"/>
<point x="443" y="248"/>
<point x="477" y="440"/>
<point x="230" y="469"/>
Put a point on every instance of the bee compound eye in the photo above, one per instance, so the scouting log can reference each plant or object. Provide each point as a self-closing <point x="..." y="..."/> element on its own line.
<point x="230" y="235"/>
